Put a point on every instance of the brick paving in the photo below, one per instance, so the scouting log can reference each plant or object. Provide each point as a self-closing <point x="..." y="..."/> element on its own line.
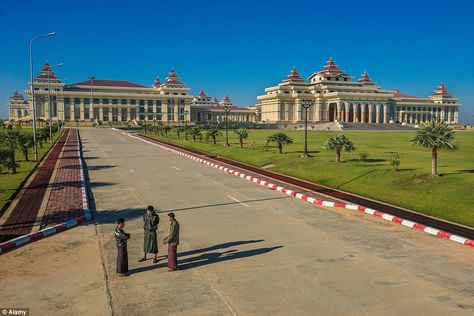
<point x="23" y="216"/>
<point x="65" y="200"/>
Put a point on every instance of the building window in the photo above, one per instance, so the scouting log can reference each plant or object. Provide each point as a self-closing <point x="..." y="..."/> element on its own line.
<point x="105" y="101"/>
<point x="114" y="101"/>
<point x="133" y="102"/>
<point x="158" y="106"/>
<point x="123" y="102"/>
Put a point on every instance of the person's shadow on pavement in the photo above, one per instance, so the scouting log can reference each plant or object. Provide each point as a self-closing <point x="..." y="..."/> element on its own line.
<point x="204" y="257"/>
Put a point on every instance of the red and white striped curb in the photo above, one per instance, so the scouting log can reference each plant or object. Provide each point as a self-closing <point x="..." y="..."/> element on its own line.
<point x="312" y="200"/>
<point x="19" y="241"/>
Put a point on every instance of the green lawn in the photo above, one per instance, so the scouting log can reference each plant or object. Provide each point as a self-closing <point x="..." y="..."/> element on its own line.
<point x="449" y="196"/>
<point x="9" y="183"/>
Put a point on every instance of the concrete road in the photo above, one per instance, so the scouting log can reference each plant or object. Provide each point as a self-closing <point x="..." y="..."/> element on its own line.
<point x="245" y="250"/>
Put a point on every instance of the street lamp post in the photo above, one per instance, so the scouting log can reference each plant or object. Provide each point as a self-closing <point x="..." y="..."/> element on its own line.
<point x="50" y="107"/>
<point x="227" y="111"/>
<point x="91" y="103"/>
<point x="32" y="89"/>
<point x="306" y="105"/>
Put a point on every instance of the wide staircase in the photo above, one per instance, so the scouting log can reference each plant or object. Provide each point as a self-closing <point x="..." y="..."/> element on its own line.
<point x="377" y="127"/>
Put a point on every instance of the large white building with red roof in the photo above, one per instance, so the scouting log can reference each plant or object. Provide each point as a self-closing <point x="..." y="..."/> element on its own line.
<point x="337" y="98"/>
<point x="97" y="100"/>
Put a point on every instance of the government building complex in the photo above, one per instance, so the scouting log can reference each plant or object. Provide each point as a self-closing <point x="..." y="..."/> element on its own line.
<point x="334" y="97"/>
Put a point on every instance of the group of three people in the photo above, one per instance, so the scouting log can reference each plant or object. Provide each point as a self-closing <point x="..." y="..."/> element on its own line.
<point x="150" y="241"/>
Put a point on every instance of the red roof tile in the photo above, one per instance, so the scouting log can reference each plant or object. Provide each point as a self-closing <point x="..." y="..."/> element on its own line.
<point x="109" y="83"/>
<point x="397" y="94"/>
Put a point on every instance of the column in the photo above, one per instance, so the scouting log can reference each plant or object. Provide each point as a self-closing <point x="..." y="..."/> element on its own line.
<point x="101" y="113"/>
<point x="339" y="111"/>
<point x="60" y="108"/>
<point x="347" y="108"/>
<point x="299" y="114"/>
<point x="371" y="112"/>
<point x="362" y="113"/>
<point x="119" y="114"/>
<point x="81" y="109"/>
<point x="377" y="113"/>
<point x="456" y="115"/>
<point x="385" y="114"/>
<point x="318" y="111"/>
<point x="448" y="111"/>
<point x="176" y="111"/>
<point x="355" y="118"/>
<point x="91" y="108"/>
<point x="72" y="103"/>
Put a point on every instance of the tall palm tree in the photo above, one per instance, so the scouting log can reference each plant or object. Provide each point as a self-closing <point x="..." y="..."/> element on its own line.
<point x="338" y="144"/>
<point x="281" y="139"/>
<point x="213" y="133"/>
<point x="242" y="133"/>
<point x="435" y="135"/>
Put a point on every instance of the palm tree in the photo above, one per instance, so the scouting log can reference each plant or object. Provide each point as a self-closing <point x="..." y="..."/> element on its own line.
<point x="281" y="139"/>
<point x="9" y="140"/>
<point x="166" y="129"/>
<point x="339" y="143"/>
<point x="25" y="142"/>
<point x="242" y="133"/>
<point x="195" y="132"/>
<point x="213" y="133"/>
<point x="435" y="135"/>
<point x="178" y="130"/>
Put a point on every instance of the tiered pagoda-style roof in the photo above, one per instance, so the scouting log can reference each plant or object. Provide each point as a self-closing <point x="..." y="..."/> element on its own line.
<point x="216" y="101"/>
<point x="173" y="78"/>
<point x="157" y="83"/>
<point x="365" y="79"/>
<point x="294" y="76"/>
<point x="47" y="73"/>
<point x="202" y="94"/>
<point x="442" y="91"/>
<point x="16" y="96"/>
<point x="331" y="70"/>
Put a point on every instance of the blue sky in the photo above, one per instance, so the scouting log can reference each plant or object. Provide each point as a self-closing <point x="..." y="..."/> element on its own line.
<point x="241" y="47"/>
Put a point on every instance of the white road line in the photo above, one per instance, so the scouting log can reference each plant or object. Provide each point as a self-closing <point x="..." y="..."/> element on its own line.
<point x="176" y="168"/>
<point x="233" y="198"/>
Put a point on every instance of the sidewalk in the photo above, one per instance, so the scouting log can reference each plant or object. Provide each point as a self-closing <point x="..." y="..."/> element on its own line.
<point x="54" y="194"/>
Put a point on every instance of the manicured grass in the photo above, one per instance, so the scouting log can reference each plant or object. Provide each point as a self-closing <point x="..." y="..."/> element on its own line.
<point x="449" y="196"/>
<point x="9" y="183"/>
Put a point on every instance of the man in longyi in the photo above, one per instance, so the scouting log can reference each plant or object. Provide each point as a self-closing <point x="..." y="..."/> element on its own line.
<point x="150" y="226"/>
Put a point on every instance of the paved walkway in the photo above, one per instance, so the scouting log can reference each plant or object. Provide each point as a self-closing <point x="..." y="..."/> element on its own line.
<point x="65" y="200"/>
<point x="20" y="218"/>
<point x="52" y="195"/>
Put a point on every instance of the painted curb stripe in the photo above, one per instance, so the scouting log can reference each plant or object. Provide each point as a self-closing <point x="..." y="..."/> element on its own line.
<point x="312" y="200"/>
<point x="21" y="240"/>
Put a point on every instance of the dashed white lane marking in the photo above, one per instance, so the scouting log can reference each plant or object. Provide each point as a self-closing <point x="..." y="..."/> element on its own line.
<point x="176" y="168"/>
<point x="131" y="170"/>
<point x="233" y="198"/>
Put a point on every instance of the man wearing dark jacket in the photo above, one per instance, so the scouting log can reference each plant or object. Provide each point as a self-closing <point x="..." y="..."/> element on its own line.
<point x="121" y="238"/>
<point x="173" y="241"/>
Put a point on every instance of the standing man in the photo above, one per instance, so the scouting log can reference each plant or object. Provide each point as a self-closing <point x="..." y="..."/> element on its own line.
<point x="173" y="241"/>
<point x="121" y="238"/>
<point x="150" y="225"/>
